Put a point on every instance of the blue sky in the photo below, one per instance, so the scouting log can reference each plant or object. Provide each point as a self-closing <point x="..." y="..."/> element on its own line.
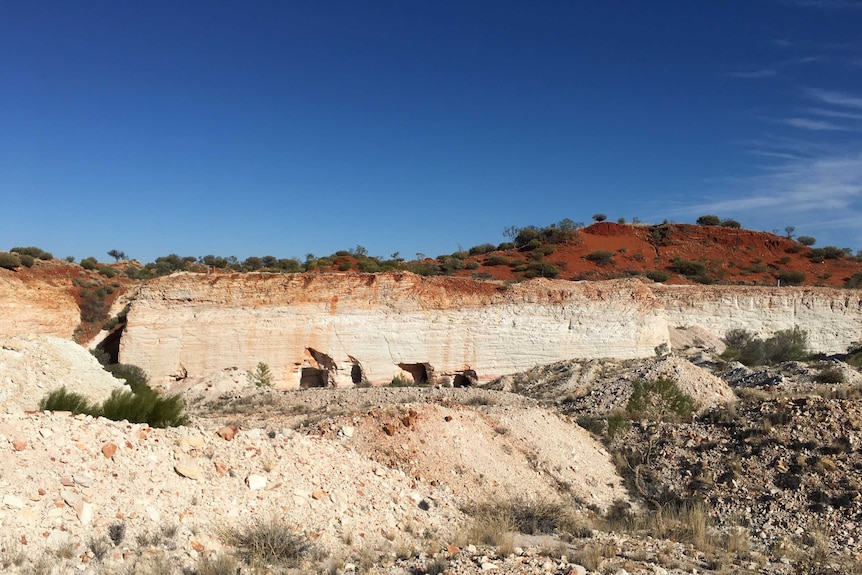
<point x="287" y="128"/>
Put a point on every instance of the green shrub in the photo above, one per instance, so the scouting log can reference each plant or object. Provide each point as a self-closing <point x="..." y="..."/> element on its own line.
<point x="599" y="217"/>
<point x="618" y="423"/>
<point x="135" y="377"/>
<point x="482" y="249"/>
<point x="9" y="261"/>
<point x="708" y="220"/>
<point x="600" y="257"/>
<point x="94" y="306"/>
<point x="831" y="375"/>
<point x="787" y="345"/>
<point x="659" y="400"/>
<point x="532" y="245"/>
<point x="733" y="224"/>
<point x="27" y="260"/>
<point x="89" y="263"/>
<point x="704" y="279"/>
<point x="688" y="267"/>
<point x="817" y="255"/>
<point x="107" y="271"/>
<point x="791" y="278"/>
<point x="471" y="265"/>
<point x="748" y="349"/>
<point x="854" y="281"/>
<point x="33" y="252"/>
<point x="64" y="400"/>
<point x="544" y="269"/>
<point x="806" y="240"/>
<point x="145" y="406"/>
<point x="505" y="246"/>
<point x="496" y="260"/>
<point x="658" y="275"/>
<point x="399" y="381"/>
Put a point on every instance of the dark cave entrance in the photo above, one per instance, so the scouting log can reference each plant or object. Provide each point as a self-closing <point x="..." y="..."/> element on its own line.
<point x="313" y="377"/>
<point x="466" y="378"/>
<point x="422" y="373"/>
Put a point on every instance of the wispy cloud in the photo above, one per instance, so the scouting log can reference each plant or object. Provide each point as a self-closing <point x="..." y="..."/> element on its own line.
<point x="754" y="74"/>
<point x="835" y="98"/>
<point x="836" y="113"/>
<point x="817" y="125"/>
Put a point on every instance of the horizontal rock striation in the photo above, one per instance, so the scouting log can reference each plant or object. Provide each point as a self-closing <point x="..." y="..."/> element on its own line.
<point x="832" y="317"/>
<point x="362" y="328"/>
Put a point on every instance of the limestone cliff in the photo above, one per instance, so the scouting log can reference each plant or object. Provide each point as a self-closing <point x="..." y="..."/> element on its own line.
<point x="351" y="328"/>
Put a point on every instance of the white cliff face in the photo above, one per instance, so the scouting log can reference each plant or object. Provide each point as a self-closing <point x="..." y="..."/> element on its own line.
<point x="383" y="325"/>
<point x="832" y="317"/>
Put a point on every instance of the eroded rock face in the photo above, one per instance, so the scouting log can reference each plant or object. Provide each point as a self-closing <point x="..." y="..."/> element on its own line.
<point x="304" y="325"/>
<point x="832" y="317"/>
<point x="37" y="307"/>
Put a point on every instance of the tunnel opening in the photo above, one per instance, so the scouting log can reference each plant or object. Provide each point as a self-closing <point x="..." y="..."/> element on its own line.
<point x="313" y="377"/>
<point x="466" y="378"/>
<point x="422" y="373"/>
<point x="111" y="343"/>
<point x="357" y="375"/>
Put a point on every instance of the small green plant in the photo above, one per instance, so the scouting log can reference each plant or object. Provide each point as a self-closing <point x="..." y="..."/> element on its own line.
<point x="497" y="260"/>
<point x="261" y="376"/>
<point x="33" y="252"/>
<point x="733" y="224"/>
<point x="806" y="240"/>
<point x="659" y="400"/>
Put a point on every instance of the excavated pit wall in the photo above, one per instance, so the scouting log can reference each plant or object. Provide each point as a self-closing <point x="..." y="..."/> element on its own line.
<point x="832" y="317"/>
<point x="386" y="324"/>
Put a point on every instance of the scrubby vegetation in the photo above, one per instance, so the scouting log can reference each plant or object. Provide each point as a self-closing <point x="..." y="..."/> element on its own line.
<point x="749" y="349"/>
<point x="141" y="404"/>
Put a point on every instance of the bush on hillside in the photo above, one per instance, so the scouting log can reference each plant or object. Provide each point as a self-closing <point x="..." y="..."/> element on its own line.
<point x="854" y="281"/>
<point x="659" y="400"/>
<point x="27" y="260"/>
<point x="89" y="263"/>
<point x="748" y="349"/>
<point x="482" y="249"/>
<point x="9" y="261"/>
<point x="817" y="255"/>
<point x="497" y="260"/>
<point x="65" y="400"/>
<point x="708" y="220"/>
<point x="806" y="240"/>
<point x="688" y="267"/>
<point x="658" y="275"/>
<point x="791" y="278"/>
<point x="135" y="377"/>
<point x="599" y="217"/>
<point x="733" y="224"/>
<point x="600" y="257"/>
<point x="33" y="252"/>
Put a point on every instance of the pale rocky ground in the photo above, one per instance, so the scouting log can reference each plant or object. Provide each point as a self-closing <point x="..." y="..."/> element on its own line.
<point x="377" y="478"/>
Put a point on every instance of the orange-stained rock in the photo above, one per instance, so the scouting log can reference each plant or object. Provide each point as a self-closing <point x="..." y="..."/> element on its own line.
<point x="109" y="449"/>
<point x="228" y="432"/>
